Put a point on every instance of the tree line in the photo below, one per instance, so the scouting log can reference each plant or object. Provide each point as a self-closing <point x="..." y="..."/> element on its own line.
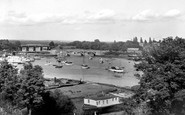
<point x="111" y="46"/>
<point x="9" y="45"/>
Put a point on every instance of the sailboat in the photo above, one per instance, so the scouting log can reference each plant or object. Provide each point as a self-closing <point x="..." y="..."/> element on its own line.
<point x="84" y="66"/>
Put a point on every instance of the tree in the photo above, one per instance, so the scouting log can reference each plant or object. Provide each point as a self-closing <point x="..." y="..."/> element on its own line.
<point x="129" y="105"/>
<point x="32" y="87"/>
<point x="141" y="40"/>
<point x="150" y="40"/>
<point x="52" y="44"/>
<point x="9" y="85"/>
<point x="163" y="82"/>
<point x="135" y="40"/>
<point x="97" y="41"/>
<point x="55" y="103"/>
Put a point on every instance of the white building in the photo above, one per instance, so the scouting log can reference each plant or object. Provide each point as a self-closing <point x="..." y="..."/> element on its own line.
<point x="132" y="50"/>
<point x="102" y="101"/>
<point x="34" y="48"/>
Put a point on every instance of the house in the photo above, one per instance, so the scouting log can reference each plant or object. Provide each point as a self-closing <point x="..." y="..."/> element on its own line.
<point x="103" y="100"/>
<point x="99" y="103"/>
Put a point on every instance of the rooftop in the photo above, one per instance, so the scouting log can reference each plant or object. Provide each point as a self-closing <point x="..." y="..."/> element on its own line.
<point x="101" y="97"/>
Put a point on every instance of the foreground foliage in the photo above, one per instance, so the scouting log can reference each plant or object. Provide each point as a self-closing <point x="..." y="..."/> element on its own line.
<point x="162" y="86"/>
<point x="26" y="92"/>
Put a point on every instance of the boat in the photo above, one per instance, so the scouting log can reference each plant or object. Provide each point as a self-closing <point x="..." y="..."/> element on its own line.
<point x="101" y="60"/>
<point x="58" y="66"/>
<point x="90" y="58"/>
<point x="32" y="59"/>
<point x="48" y="63"/>
<point x="25" y="59"/>
<point x="84" y="66"/>
<point x="116" y="69"/>
<point x="67" y="62"/>
<point x="54" y="64"/>
<point x="68" y="55"/>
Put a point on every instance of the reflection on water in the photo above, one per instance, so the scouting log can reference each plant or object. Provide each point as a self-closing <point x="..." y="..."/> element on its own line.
<point x="96" y="73"/>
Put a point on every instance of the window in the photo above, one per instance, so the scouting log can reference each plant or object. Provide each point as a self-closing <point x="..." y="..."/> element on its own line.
<point x="103" y="101"/>
<point x="107" y="101"/>
<point x="112" y="99"/>
<point x="97" y="103"/>
<point x="88" y="101"/>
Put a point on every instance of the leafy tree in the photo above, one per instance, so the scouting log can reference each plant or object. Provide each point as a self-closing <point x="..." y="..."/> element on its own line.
<point x="8" y="87"/>
<point x="129" y="105"/>
<point x="163" y="82"/>
<point x="141" y="40"/>
<point x="27" y="90"/>
<point x="55" y="103"/>
<point x="135" y="40"/>
<point x="52" y="44"/>
<point x="15" y="46"/>
<point x="145" y="42"/>
<point x="97" y="41"/>
<point x="150" y="40"/>
<point x="32" y="87"/>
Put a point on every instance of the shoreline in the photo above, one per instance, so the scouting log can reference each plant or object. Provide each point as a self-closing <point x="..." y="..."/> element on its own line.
<point x="79" y="82"/>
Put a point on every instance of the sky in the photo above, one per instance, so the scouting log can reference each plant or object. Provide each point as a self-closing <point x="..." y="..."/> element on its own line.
<point x="106" y="20"/>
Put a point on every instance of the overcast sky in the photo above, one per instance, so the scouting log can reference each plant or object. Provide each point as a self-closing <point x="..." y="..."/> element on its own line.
<point x="106" y="20"/>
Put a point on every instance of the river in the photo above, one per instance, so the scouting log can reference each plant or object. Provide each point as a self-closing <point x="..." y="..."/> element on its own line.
<point x="96" y="73"/>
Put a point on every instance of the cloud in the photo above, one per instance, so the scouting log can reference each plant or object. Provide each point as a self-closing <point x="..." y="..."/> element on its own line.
<point x="172" y="13"/>
<point x="103" y="14"/>
<point x="145" y="15"/>
<point x="98" y="17"/>
<point x="149" y="15"/>
<point x="16" y="18"/>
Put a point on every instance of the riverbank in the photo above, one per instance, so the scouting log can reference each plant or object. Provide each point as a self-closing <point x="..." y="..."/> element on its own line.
<point x="78" y="90"/>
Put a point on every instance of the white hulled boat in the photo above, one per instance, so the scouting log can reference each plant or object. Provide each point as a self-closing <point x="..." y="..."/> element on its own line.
<point x="116" y="69"/>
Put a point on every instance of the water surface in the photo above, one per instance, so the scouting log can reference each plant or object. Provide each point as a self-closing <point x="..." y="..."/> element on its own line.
<point x="96" y="73"/>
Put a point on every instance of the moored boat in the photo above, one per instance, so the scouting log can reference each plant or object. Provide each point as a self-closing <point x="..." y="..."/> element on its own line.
<point x="58" y="66"/>
<point x="85" y="66"/>
<point x="116" y="69"/>
<point x="68" y="63"/>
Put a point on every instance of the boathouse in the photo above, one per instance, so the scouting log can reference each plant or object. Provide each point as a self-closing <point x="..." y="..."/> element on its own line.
<point x="34" y="48"/>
